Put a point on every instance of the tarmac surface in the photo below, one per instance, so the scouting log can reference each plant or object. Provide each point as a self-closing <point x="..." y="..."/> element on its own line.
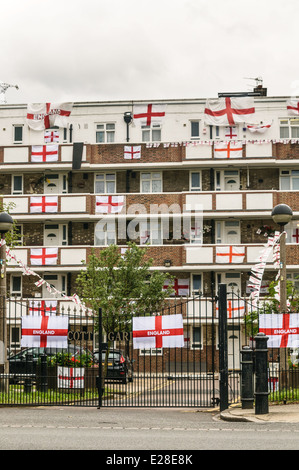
<point x="277" y="414"/>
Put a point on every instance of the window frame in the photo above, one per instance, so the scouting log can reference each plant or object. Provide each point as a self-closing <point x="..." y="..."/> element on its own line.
<point x="147" y="132"/>
<point x="195" y="188"/>
<point x="105" y="181"/>
<point x="151" y="180"/>
<point x="288" y="124"/>
<point x="15" y="127"/>
<point x="106" y="132"/>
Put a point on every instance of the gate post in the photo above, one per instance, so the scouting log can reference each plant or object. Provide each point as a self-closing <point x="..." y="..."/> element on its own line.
<point x="100" y="376"/>
<point x="261" y="370"/>
<point x="223" y="356"/>
<point x="247" y="378"/>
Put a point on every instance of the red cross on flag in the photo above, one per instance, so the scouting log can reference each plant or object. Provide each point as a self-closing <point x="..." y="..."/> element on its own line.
<point x="180" y="286"/>
<point x="44" y="153"/>
<point x="44" y="331"/>
<point x="51" y="136"/>
<point x="42" y="116"/>
<point x="230" y="254"/>
<point x="293" y="107"/>
<point x="228" y="150"/>
<point x="231" y="132"/>
<point x="235" y="308"/>
<point x="295" y="236"/>
<point x="228" y="111"/>
<point x="42" y="307"/>
<point x="258" y="128"/>
<point x="43" y="204"/>
<point x="70" y="377"/>
<point x="43" y="256"/>
<point x="109" y="204"/>
<point x="132" y="152"/>
<point x="149" y="113"/>
<point x="161" y="331"/>
<point x="281" y="328"/>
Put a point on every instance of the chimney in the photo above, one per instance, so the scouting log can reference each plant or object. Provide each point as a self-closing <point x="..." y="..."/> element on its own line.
<point x="260" y="90"/>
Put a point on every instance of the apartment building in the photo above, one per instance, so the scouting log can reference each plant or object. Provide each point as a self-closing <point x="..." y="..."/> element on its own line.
<point x="163" y="177"/>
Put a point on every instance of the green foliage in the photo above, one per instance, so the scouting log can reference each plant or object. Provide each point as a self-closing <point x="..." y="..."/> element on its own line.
<point x="122" y="284"/>
<point x="69" y="360"/>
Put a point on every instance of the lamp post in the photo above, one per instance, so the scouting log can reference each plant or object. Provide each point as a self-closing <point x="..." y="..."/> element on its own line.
<point x="6" y="223"/>
<point x="282" y="215"/>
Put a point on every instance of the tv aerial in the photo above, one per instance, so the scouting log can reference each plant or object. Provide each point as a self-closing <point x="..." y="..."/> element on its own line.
<point x="3" y="88"/>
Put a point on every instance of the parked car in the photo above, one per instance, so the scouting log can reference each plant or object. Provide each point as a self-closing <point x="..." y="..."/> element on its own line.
<point x="119" y="366"/>
<point x="18" y="362"/>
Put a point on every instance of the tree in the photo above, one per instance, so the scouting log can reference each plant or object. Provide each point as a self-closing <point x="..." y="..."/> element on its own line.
<point x="122" y="285"/>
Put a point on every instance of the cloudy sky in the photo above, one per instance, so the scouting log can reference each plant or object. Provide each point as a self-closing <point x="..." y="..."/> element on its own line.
<point x="71" y="50"/>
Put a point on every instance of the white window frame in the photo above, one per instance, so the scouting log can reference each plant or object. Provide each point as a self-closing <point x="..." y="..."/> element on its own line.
<point x="292" y="277"/>
<point x="193" y="287"/>
<point x="106" y="179"/>
<point x="16" y="293"/>
<point x="151" y="179"/>
<point x="107" y="130"/>
<point x="195" y="344"/>
<point x="13" y="190"/>
<point x="107" y="228"/>
<point x="288" y="127"/>
<point x="14" y="128"/>
<point x="290" y="175"/>
<point x="152" y="133"/>
<point x="149" y="228"/>
<point x="194" y="136"/>
<point x="194" y="188"/>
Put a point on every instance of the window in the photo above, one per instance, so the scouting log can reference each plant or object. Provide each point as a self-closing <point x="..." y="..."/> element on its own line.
<point x="196" y="283"/>
<point x="195" y="181"/>
<point x="294" y="278"/>
<point x="289" y="128"/>
<point x="105" y="133"/>
<point x="17" y="134"/>
<point x="15" y="337"/>
<point x="16" y="286"/>
<point x="151" y="232"/>
<point x="19" y="234"/>
<point x="17" y="184"/>
<point x="195" y="130"/>
<point x="196" y="337"/>
<point x="151" y="182"/>
<point x="289" y="180"/>
<point x="151" y="133"/>
<point x="105" y="233"/>
<point x="105" y="183"/>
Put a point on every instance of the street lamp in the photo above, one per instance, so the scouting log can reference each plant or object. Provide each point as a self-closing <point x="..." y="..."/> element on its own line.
<point x="6" y="223"/>
<point x="281" y="215"/>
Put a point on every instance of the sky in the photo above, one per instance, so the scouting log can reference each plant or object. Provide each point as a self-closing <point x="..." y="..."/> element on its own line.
<point x="106" y="50"/>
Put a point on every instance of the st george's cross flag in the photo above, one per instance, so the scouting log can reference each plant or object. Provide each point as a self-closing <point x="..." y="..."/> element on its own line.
<point x="148" y="114"/>
<point x="228" y="149"/>
<point x="230" y="254"/>
<point x="231" y="132"/>
<point x="161" y="331"/>
<point x="39" y="204"/>
<point x="180" y="286"/>
<point x="44" y="331"/>
<point x="43" y="256"/>
<point x="259" y="128"/>
<point x="282" y="329"/>
<point x="42" y="307"/>
<point x="109" y="204"/>
<point x="293" y="107"/>
<point x="70" y="377"/>
<point x="42" y="116"/>
<point x="228" y="111"/>
<point x="132" y="152"/>
<point x="44" y="153"/>
<point x="234" y="308"/>
<point x="51" y="136"/>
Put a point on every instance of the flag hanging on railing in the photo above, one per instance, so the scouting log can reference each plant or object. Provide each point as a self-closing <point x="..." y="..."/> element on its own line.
<point x="282" y="329"/>
<point x="160" y="331"/>
<point x="44" y="331"/>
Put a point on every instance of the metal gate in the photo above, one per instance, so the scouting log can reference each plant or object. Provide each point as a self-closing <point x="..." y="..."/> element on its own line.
<point x="106" y="371"/>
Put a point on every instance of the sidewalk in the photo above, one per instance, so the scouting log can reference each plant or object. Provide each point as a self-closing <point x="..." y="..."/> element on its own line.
<point x="277" y="413"/>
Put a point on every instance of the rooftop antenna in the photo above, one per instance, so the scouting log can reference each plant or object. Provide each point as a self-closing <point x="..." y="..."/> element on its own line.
<point x="3" y="88"/>
<point x="258" y="80"/>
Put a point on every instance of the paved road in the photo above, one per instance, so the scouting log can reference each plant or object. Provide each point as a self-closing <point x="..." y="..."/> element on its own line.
<point x="135" y="430"/>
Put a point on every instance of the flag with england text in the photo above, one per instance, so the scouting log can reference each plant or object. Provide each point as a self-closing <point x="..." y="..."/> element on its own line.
<point x="44" y="331"/>
<point x="282" y="329"/>
<point x="42" y="116"/>
<point x="159" y="331"/>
